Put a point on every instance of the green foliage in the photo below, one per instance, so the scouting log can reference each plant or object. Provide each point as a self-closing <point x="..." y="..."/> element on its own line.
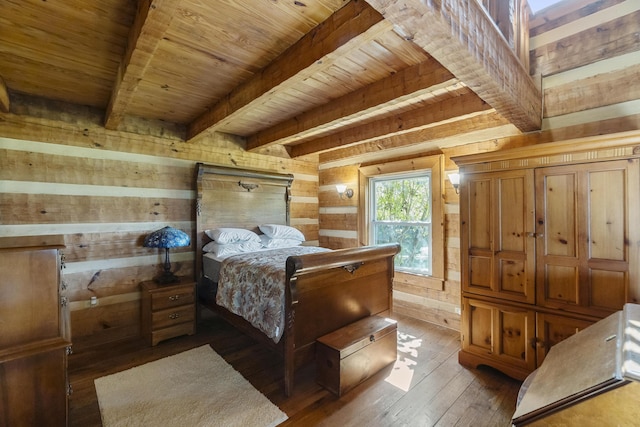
<point x="404" y="199"/>
<point x="403" y="215"/>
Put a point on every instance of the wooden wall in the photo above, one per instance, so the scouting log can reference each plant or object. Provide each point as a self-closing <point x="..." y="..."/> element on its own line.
<point x="61" y="172"/>
<point x="586" y="57"/>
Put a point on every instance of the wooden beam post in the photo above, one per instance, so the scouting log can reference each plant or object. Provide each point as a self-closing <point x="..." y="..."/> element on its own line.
<point x="417" y="83"/>
<point x="460" y="35"/>
<point x="465" y="105"/>
<point x="347" y="29"/>
<point x="151" y="22"/>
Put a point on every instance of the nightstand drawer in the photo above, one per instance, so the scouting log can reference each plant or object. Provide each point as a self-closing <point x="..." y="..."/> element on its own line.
<point x="167" y="311"/>
<point x="172" y="297"/>
<point x="172" y="316"/>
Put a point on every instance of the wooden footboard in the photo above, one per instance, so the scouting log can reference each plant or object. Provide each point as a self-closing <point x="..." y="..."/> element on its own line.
<point x="328" y="290"/>
<point x="324" y="292"/>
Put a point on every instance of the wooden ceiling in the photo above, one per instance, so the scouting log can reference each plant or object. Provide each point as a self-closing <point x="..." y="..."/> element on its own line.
<point x="313" y="76"/>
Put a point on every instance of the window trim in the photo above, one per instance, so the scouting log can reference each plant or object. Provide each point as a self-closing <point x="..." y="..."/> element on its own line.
<point x="436" y="166"/>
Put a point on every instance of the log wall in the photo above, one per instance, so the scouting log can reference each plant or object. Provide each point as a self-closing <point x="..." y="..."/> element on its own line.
<point x="586" y="58"/>
<point x="61" y="172"/>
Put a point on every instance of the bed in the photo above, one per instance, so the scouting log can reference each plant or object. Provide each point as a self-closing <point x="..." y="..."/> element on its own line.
<point x="323" y="291"/>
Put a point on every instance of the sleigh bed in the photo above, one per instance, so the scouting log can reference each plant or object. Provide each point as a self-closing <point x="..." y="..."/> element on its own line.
<point x="323" y="291"/>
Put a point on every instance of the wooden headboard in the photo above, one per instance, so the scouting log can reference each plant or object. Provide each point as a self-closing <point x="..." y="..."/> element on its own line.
<point x="230" y="197"/>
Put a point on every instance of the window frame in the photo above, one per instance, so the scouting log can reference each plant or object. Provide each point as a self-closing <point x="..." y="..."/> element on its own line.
<point x="435" y="165"/>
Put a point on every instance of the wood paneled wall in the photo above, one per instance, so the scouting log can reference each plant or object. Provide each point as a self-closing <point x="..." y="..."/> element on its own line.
<point x="586" y="57"/>
<point x="61" y="172"/>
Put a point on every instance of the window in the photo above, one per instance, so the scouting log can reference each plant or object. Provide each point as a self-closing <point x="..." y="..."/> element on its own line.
<point x="537" y="5"/>
<point x="401" y="213"/>
<point x="404" y="205"/>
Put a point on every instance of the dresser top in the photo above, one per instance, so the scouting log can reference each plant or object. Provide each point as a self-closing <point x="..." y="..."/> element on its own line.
<point x="32" y="242"/>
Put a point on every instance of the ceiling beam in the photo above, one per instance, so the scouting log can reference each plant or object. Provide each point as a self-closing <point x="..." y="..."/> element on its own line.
<point x="151" y="22"/>
<point x="482" y="126"/>
<point x="460" y="35"/>
<point x="4" y="96"/>
<point x="409" y="86"/>
<point x="346" y="30"/>
<point x="408" y="121"/>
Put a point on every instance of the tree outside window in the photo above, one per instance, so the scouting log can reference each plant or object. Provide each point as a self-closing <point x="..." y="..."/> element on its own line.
<point x="402" y="213"/>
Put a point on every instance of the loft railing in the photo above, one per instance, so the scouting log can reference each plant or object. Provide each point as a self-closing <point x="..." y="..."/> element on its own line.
<point x="511" y="17"/>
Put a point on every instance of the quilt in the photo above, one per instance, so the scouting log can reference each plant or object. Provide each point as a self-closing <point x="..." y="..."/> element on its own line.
<point x="252" y="285"/>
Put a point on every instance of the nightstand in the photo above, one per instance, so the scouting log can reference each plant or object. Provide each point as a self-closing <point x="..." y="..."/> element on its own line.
<point x="168" y="311"/>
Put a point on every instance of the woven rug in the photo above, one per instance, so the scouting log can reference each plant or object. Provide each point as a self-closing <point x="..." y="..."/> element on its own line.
<point x="193" y="388"/>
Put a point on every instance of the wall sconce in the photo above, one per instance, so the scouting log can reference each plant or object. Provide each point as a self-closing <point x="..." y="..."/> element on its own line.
<point x="344" y="191"/>
<point x="454" y="178"/>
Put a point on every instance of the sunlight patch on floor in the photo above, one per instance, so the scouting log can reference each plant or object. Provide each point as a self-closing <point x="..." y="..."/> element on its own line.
<point x="402" y="372"/>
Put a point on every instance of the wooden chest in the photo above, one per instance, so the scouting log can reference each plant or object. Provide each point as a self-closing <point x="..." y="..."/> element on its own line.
<point x="350" y="355"/>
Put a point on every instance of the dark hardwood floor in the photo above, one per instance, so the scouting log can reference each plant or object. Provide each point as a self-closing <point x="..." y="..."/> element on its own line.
<point x="426" y="386"/>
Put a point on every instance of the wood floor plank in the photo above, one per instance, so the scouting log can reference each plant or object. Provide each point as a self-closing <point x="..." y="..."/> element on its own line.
<point x="426" y="386"/>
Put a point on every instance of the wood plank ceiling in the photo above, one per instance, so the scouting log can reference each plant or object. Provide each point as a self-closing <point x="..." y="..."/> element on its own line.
<point x="313" y="76"/>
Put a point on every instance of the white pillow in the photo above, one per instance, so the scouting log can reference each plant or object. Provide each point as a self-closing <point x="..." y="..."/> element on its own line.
<point x="231" y="235"/>
<point x="271" y="243"/>
<point x="277" y="231"/>
<point x="224" y="249"/>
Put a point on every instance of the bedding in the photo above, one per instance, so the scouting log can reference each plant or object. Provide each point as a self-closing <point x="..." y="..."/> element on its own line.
<point x="274" y="243"/>
<point x="251" y="285"/>
<point x="226" y="249"/>
<point x="230" y="235"/>
<point x="211" y="266"/>
<point x="278" y="231"/>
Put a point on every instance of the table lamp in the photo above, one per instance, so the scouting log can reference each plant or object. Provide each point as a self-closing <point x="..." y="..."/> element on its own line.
<point x="167" y="238"/>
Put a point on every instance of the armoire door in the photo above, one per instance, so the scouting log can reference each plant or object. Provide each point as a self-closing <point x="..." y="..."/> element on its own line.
<point x="497" y="235"/>
<point x="587" y="221"/>
<point x="498" y="335"/>
<point x="551" y="329"/>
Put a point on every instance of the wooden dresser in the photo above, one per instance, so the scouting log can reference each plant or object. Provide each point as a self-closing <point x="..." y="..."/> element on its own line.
<point x="35" y="337"/>
<point x="549" y="246"/>
<point x="168" y="311"/>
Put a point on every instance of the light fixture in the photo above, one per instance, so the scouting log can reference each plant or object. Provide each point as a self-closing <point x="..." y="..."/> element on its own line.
<point x="166" y="238"/>
<point x="344" y="191"/>
<point x="454" y="178"/>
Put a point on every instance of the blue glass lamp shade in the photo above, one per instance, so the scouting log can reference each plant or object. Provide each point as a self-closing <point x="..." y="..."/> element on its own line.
<point x="166" y="238"/>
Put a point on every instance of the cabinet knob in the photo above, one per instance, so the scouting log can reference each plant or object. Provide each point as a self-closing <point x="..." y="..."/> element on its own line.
<point x="174" y="316"/>
<point x="174" y="297"/>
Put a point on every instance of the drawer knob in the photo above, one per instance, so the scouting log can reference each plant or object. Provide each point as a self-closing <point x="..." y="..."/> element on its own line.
<point x="174" y="316"/>
<point x="174" y="297"/>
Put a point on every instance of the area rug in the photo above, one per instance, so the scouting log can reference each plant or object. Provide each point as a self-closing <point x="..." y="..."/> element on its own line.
<point x="193" y="388"/>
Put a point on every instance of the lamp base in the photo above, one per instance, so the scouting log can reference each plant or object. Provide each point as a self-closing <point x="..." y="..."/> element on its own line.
<point x="166" y="278"/>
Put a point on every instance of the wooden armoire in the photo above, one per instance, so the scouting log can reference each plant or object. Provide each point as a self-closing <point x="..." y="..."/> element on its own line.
<point x="550" y="239"/>
<point x="35" y="334"/>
